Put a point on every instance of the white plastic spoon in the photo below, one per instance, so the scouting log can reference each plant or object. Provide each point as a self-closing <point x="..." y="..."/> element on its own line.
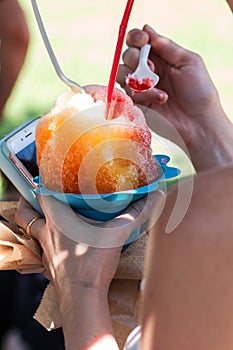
<point x="142" y="79"/>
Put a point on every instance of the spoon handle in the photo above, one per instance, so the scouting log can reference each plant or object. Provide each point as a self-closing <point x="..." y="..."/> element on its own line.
<point x="73" y="85"/>
<point x="144" y="53"/>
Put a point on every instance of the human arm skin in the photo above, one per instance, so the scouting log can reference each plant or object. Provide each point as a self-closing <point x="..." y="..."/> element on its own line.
<point x="185" y="96"/>
<point x="230" y="3"/>
<point x="82" y="274"/>
<point x="187" y="303"/>
<point x="14" y="34"/>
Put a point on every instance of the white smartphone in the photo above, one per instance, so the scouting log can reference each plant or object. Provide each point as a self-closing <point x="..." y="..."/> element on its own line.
<point x="18" y="160"/>
<point x="23" y="151"/>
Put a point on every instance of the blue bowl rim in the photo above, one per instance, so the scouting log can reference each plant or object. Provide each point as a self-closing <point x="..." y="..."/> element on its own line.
<point x="167" y="173"/>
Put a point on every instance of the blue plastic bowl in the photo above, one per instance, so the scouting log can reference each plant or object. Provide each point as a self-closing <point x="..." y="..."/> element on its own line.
<point x="106" y="206"/>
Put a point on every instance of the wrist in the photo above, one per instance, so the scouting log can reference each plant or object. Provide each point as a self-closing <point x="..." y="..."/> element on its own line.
<point x="81" y="296"/>
<point x="85" y="317"/>
<point x="210" y="145"/>
<point x="70" y="288"/>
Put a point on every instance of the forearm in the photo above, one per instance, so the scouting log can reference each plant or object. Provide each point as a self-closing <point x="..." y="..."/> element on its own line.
<point x="212" y="145"/>
<point x="86" y="320"/>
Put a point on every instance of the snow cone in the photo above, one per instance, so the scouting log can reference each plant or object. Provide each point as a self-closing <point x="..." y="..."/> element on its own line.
<point x="79" y="150"/>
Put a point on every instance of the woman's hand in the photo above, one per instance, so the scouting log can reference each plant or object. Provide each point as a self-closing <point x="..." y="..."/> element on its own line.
<point x="185" y="96"/>
<point x="82" y="273"/>
<point x="91" y="257"/>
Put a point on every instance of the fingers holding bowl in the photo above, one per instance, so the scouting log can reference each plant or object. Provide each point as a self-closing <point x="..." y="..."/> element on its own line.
<point x="29" y="220"/>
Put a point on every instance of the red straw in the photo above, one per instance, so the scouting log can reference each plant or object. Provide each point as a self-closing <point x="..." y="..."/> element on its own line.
<point x="118" y="50"/>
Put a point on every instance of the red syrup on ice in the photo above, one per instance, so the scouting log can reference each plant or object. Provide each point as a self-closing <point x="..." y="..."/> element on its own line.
<point x="139" y="86"/>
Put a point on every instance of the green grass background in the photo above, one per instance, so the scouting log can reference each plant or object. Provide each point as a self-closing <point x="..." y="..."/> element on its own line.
<point x="84" y="34"/>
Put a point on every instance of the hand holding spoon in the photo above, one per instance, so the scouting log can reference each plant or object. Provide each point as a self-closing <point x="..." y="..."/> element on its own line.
<point x="142" y="79"/>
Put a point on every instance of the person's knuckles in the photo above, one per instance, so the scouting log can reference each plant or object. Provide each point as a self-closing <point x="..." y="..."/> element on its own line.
<point x="137" y="38"/>
<point x="128" y="53"/>
<point x="131" y="57"/>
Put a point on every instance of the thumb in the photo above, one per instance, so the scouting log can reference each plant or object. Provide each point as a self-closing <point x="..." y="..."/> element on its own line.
<point x="139" y="212"/>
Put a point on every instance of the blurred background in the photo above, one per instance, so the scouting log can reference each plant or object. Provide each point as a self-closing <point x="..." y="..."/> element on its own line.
<point x="84" y="34"/>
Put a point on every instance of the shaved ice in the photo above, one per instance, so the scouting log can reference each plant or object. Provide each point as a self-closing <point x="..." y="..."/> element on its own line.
<point x="80" y="151"/>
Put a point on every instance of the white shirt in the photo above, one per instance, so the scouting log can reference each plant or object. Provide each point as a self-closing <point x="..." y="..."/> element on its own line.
<point x="133" y="340"/>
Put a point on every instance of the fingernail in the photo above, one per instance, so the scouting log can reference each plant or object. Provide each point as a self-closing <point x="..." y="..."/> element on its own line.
<point x="162" y="97"/>
<point x="147" y="26"/>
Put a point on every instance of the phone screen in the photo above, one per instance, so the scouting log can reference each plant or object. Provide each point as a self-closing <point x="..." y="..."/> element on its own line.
<point x="27" y="156"/>
<point x="22" y="146"/>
